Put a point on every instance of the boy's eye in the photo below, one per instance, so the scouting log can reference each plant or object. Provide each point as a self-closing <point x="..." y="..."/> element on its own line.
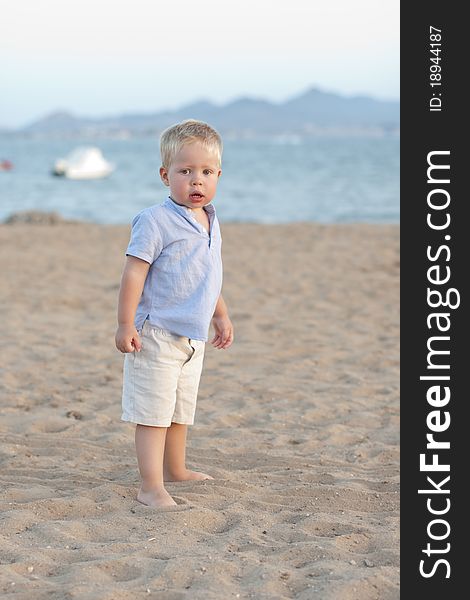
<point x="207" y="171"/>
<point x="184" y="171"/>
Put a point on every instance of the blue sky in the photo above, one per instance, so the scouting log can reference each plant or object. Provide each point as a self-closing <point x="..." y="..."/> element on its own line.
<point x="101" y="57"/>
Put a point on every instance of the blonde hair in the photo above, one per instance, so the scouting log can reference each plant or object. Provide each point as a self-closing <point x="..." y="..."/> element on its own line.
<point x="190" y="130"/>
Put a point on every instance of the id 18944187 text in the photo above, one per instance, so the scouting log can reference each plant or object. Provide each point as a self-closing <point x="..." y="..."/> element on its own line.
<point x="435" y="69"/>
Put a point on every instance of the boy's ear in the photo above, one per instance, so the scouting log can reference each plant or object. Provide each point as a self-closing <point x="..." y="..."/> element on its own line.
<point x="219" y="173"/>
<point x="164" y="176"/>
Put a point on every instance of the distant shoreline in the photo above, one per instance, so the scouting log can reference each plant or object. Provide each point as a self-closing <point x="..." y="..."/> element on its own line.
<point x="310" y="112"/>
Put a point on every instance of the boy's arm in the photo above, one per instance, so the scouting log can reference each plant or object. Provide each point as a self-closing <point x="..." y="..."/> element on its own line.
<point x="223" y="327"/>
<point x="132" y="284"/>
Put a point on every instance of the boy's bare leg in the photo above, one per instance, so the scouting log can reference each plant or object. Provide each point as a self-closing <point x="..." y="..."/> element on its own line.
<point x="174" y="460"/>
<point x="150" y="446"/>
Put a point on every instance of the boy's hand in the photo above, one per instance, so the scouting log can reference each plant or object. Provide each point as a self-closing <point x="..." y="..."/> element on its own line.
<point x="127" y="339"/>
<point x="223" y="337"/>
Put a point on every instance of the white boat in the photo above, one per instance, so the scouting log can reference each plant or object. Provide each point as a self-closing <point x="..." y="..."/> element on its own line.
<point x="83" y="163"/>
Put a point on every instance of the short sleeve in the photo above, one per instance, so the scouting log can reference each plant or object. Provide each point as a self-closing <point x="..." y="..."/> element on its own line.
<point x="146" y="240"/>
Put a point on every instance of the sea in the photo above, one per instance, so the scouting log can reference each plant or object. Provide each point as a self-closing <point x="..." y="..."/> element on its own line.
<point x="280" y="180"/>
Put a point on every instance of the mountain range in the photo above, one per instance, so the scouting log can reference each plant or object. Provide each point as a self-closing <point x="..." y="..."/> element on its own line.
<point x="312" y="112"/>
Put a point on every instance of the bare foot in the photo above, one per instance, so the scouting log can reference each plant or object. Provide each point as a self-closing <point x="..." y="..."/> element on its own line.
<point x="157" y="497"/>
<point x="186" y="475"/>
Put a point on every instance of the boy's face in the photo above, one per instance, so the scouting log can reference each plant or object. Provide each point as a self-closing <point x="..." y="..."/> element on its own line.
<point x="192" y="176"/>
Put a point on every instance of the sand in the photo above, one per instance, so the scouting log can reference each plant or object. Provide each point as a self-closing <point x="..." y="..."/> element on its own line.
<point x="297" y="422"/>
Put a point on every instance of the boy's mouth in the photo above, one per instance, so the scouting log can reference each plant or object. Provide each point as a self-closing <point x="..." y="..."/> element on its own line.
<point x="196" y="196"/>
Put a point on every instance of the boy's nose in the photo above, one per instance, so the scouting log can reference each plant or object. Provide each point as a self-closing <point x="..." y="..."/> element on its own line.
<point x="197" y="179"/>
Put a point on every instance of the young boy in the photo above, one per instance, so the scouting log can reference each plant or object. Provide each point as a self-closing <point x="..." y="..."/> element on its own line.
<point x="170" y="293"/>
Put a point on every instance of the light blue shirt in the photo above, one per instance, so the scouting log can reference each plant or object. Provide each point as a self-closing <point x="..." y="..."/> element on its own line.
<point x="185" y="276"/>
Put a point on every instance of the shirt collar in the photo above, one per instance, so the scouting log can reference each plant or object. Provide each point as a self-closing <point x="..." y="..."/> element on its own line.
<point x="184" y="210"/>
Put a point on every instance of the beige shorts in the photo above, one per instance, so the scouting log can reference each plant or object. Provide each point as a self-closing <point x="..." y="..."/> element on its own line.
<point x="160" y="383"/>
